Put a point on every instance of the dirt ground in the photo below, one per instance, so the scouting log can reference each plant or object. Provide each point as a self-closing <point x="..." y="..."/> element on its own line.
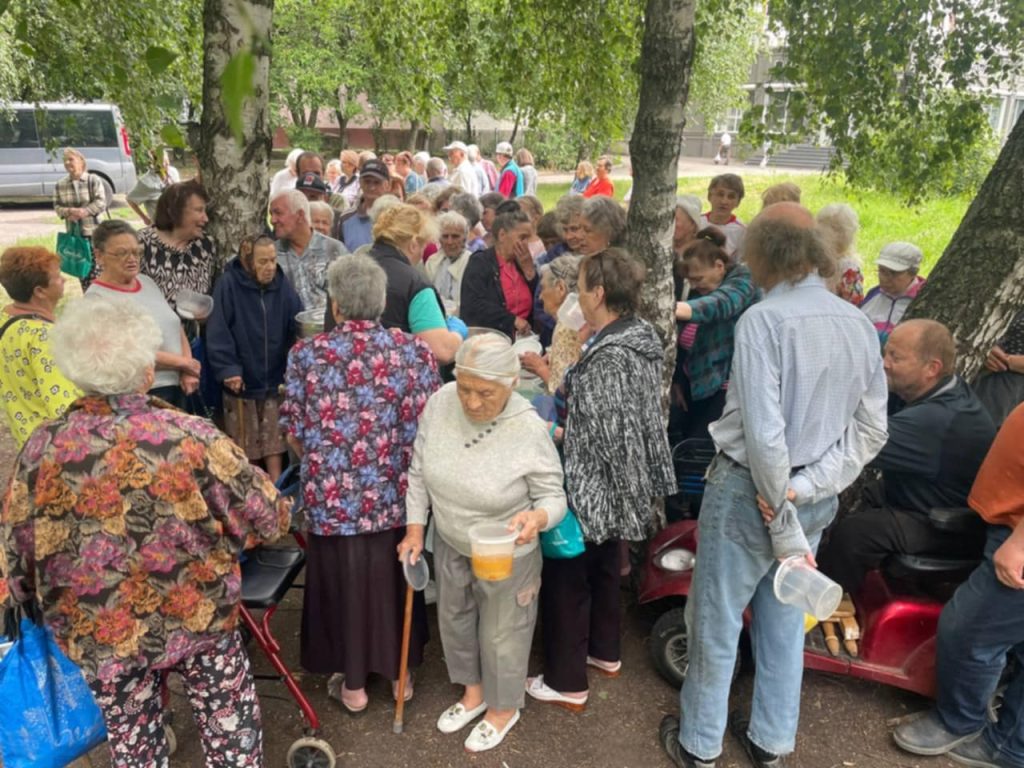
<point x="843" y="721"/>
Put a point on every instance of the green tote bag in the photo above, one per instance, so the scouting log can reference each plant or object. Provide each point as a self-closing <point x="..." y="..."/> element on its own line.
<point x="75" y="252"/>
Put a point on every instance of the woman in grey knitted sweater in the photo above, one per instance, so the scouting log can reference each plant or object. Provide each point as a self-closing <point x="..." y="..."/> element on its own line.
<point x="482" y="454"/>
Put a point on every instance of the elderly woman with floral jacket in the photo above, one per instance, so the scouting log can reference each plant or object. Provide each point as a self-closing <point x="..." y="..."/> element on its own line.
<point x="353" y="398"/>
<point x="125" y="522"/>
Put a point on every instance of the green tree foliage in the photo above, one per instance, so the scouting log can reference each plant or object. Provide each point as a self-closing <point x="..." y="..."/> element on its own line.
<point x="565" y="68"/>
<point x="320" y="56"/>
<point x="899" y="85"/>
<point x="728" y="35"/>
<point x="142" y="55"/>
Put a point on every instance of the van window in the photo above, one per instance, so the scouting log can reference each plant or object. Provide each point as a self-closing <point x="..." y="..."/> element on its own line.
<point x="77" y="128"/>
<point x="18" y="130"/>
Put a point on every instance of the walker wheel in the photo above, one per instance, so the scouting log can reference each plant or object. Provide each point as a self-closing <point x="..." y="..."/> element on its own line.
<point x="311" y="753"/>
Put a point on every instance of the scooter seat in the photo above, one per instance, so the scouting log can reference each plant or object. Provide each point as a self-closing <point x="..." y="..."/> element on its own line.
<point x="933" y="569"/>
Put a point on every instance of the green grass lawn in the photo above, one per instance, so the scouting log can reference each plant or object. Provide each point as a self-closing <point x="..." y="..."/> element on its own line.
<point x="882" y="218"/>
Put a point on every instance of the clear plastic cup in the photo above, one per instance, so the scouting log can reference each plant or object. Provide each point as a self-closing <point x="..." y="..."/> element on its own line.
<point x="493" y="547"/>
<point x="570" y="313"/>
<point x="807" y="588"/>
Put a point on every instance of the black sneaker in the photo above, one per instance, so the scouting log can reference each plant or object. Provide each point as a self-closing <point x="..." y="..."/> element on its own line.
<point x="668" y="735"/>
<point x="977" y="753"/>
<point x="759" y="758"/>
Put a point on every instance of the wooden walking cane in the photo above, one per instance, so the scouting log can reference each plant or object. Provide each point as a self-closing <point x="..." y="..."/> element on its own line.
<point x="241" y="426"/>
<point x="403" y="668"/>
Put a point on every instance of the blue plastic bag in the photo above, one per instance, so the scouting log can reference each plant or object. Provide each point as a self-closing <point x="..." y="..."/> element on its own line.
<point x="48" y="717"/>
<point x="565" y="540"/>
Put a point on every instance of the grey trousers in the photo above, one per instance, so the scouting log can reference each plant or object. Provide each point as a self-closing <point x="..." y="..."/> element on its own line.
<point x="487" y="626"/>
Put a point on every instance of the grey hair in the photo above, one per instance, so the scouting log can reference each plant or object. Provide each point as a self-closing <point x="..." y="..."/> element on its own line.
<point x="452" y="219"/>
<point x="473" y="153"/>
<point x="606" y="215"/>
<point x="435" y="167"/>
<point x="72" y="152"/>
<point x="320" y="205"/>
<point x="106" y="345"/>
<point x="569" y="207"/>
<point x="380" y="205"/>
<point x="297" y="202"/>
<point x="564" y="269"/>
<point x="334" y="164"/>
<point x="293" y="158"/>
<point x="488" y="356"/>
<point x="839" y="225"/>
<point x="358" y="286"/>
<point x="468" y="205"/>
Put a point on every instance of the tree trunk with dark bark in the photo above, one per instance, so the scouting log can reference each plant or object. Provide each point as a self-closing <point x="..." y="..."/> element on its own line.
<point x="342" y="128"/>
<point x="515" y="127"/>
<point x="978" y="285"/>
<point x="665" y="62"/>
<point x="235" y="174"/>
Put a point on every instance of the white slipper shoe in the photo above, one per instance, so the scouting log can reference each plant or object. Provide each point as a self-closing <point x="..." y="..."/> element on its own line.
<point x="538" y="689"/>
<point x="485" y="736"/>
<point x="457" y="717"/>
<point x="606" y="668"/>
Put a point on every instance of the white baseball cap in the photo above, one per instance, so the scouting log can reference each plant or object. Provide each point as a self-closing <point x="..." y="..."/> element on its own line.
<point x="504" y="148"/>
<point x="454" y="145"/>
<point x="899" y="257"/>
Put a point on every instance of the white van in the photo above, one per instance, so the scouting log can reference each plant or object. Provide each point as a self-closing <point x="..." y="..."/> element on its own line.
<point x="33" y="137"/>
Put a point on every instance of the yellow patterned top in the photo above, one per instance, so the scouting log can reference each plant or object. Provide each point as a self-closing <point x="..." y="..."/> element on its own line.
<point x="32" y="388"/>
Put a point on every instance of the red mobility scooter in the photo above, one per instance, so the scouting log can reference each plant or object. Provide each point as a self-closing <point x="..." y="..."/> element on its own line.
<point x="898" y="607"/>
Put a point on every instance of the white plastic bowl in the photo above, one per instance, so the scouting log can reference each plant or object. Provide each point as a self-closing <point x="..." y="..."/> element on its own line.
<point x="192" y="305"/>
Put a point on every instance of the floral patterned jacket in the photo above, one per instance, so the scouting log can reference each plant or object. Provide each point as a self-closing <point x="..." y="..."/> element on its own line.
<point x="353" y="398"/>
<point x="126" y="518"/>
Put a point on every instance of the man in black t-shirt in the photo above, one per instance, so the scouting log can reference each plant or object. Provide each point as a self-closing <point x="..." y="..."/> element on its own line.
<point x="938" y="438"/>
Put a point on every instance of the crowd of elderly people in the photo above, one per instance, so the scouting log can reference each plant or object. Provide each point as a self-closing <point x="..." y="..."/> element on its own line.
<point x="397" y="333"/>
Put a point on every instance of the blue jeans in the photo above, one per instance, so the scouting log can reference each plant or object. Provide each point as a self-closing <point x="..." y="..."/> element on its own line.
<point x="735" y="567"/>
<point x="979" y="628"/>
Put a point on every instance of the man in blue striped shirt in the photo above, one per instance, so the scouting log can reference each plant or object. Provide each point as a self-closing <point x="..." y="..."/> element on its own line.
<point x="805" y="411"/>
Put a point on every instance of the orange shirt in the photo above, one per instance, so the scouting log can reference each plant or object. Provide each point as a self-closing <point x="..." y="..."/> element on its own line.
<point x="998" y="491"/>
<point x="600" y="187"/>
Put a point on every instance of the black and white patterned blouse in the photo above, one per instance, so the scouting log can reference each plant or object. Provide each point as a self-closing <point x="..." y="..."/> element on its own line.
<point x="173" y="268"/>
<point x="1013" y="340"/>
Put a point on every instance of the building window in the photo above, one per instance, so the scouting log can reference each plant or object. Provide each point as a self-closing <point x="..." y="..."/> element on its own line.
<point x="994" y="110"/>
<point x="731" y="122"/>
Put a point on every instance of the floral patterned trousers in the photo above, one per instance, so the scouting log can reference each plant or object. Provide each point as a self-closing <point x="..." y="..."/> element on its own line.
<point x="220" y="688"/>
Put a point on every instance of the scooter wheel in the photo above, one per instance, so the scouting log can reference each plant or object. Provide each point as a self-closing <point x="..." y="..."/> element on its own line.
<point x="670" y="647"/>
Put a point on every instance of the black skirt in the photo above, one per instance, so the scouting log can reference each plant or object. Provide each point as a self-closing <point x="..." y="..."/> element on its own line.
<point x="354" y="605"/>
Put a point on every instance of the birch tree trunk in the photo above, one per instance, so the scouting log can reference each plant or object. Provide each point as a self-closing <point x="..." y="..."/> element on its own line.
<point x="235" y="174"/>
<point x="978" y="285"/>
<point x="665" y="62"/>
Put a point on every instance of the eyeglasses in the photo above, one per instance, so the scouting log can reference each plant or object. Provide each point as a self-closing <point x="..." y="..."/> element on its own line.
<point x="124" y="254"/>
